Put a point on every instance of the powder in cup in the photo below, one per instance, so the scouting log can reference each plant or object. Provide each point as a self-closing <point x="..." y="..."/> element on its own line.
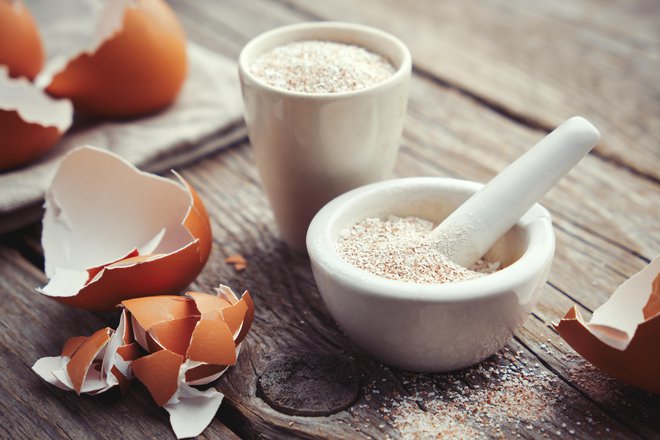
<point x="313" y="66"/>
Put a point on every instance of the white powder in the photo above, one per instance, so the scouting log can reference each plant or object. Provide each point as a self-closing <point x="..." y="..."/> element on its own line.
<point x="400" y="249"/>
<point x="321" y="67"/>
<point x="508" y="393"/>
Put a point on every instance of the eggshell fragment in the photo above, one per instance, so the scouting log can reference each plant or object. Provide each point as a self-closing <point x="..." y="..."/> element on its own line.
<point x="21" y="49"/>
<point x="92" y="364"/>
<point x="238" y="261"/>
<point x="159" y="372"/>
<point x="30" y="121"/>
<point x="188" y="341"/>
<point x="136" y="65"/>
<point x="622" y="337"/>
<point x="112" y="232"/>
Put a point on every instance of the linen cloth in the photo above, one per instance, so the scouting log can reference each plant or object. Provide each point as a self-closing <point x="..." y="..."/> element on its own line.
<point x="206" y="116"/>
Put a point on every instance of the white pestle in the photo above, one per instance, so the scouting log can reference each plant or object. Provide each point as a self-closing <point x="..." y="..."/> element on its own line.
<point x="469" y="231"/>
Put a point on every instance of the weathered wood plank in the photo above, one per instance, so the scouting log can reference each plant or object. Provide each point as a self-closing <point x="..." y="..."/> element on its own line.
<point x="34" y="326"/>
<point x="635" y="408"/>
<point x="461" y="138"/>
<point x="536" y="64"/>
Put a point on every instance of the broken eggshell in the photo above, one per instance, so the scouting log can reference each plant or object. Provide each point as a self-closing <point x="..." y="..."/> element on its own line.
<point x="136" y="64"/>
<point x="184" y="341"/>
<point x="112" y="232"/>
<point x="92" y="364"/>
<point x="30" y="121"/>
<point x="21" y="49"/>
<point x="192" y="341"/>
<point x="622" y="336"/>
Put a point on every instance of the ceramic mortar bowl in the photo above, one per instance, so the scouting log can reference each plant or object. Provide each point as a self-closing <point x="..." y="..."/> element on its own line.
<point x="429" y="327"/>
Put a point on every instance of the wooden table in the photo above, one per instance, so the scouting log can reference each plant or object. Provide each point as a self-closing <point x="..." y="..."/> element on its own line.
<point x="490" y="79"/>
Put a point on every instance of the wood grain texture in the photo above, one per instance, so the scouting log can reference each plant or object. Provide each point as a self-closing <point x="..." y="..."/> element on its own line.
<point x="537" y="63"/>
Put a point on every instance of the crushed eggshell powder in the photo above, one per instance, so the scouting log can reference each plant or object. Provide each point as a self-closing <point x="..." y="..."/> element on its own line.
<point x="399" y="248"/>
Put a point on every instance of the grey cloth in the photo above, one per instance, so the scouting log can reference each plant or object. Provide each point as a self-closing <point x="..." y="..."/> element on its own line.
<point x="205" y="117"/>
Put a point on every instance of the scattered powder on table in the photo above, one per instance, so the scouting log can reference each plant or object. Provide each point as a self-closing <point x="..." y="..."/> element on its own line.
<point x="399" y="249"/>
<point x="508" y="393"/>
<point x="321" y="67"/>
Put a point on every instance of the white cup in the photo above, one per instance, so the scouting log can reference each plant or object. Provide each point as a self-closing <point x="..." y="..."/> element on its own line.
<point x="311" y="147"/>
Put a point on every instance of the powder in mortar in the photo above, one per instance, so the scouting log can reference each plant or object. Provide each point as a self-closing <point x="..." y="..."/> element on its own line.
<point x="314" y="66"/>
<point x="399" y="249"/>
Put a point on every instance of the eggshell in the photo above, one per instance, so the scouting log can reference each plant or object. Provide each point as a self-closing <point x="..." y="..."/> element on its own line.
<point x="188" y="340"/>
<point x="21" y="49"/>
<point x="159" y="372"/>
<point x="92" y="364"/>
<point x="622" y="337"/>
<point x="174" y="335"/>
<point x="82" y="359"/>
<point x="137" y="64"/>
<point x="238" y="261"/>
<point x="100" y="212"/>
<point x="30" y="121"/>
<point x="211" y="347"/>
<point x="212" y="342"/>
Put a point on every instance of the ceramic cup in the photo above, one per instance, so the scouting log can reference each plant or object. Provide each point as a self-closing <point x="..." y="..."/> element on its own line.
<point x="429" y="327"/>
<point x="311" y="147"/>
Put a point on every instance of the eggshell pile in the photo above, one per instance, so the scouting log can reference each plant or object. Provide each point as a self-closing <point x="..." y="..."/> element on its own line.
<point x="112" y="232"/>
<point x="169" y="343"/>
<point x="622" y="338"/>
<point x="136" y="65"/>
<point x="21" y="49"/>
<point x="92" y="364"/>
<point x="30" y="121"/>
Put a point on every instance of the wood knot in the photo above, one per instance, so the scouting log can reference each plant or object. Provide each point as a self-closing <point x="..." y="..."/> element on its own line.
<point x="309" y="384"/>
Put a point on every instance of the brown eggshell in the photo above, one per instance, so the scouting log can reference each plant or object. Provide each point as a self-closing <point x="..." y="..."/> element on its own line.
<point x="172" y="261"/>
<point x="174" y="335"/>
<point x="129" y="352"/>
<point x="638" y="363"/>
<point x="137" y="70"/>
<point x="30" y="121"/>
<point x="150" y="311"/>
<point x="72" y="344"/>
<point x="124" y="382"/>
<point x="23" y="141"/>
<point x="212" y="342"/>
<point x="206" y="303"/>
<point x="159" y="372"/>
<point x="204" y="371"/>
<point x="249" y="317"/>
<point x="238" y="314"/>
<point x="21" y="49"/>
<point x="83" y="357"/>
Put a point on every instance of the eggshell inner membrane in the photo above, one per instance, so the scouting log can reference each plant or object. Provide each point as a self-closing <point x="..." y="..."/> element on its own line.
<point x="112" y="232"/>
<point x="32" y="105"/>
<point x="616" y="321"/>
